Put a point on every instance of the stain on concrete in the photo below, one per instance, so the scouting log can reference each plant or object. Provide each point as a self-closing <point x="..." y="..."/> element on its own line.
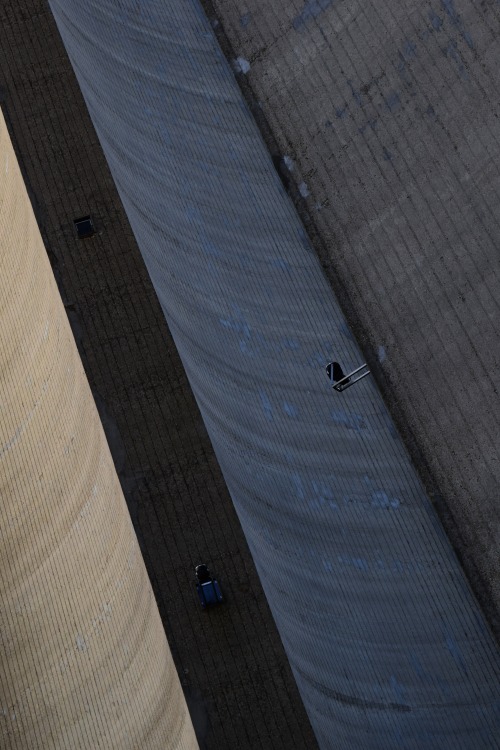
<point x="455" y="18"/>
<point x="351" y="421"/>
<point x="266" y="405"/>
<point x="451" y="52"/>
<point x="354" y="700"/>
<point x="290" y="410"/>
<point x="436" y="21"/>
<point x="312" y="9"/>
<point x="393" y="101"/>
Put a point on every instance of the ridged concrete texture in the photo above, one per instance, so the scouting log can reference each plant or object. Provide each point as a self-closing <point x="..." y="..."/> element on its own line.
<point x="388" y="114"/>
<point x="84" y="659"/>
<point x="178" y="500"/>
<point x="387" y="644"/>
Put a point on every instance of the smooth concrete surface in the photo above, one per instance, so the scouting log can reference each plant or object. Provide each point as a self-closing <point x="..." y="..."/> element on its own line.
<point x="387" y="644"/>
<point x="84" y="661"/>
<point x="387" y="113"/>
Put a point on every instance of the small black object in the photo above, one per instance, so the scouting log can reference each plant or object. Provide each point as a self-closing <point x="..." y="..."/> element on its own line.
<point x="335" y="372"/>
<point x="202" y="573"/>
<point x="84" y="227"/>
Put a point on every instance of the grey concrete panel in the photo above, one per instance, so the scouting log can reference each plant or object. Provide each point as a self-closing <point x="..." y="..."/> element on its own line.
<point x="387" y="644"/>
<point x="388" y="112"/>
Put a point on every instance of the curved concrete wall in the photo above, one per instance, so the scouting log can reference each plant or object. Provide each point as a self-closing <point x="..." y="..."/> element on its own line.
<point x="385" y="640"/>
<point x="85" y="662"/>
<point x="388" y="111"/>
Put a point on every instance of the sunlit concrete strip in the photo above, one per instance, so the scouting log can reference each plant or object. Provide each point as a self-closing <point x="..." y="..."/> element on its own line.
<point x="387" y="644"/>
<point x="84" y="661"/>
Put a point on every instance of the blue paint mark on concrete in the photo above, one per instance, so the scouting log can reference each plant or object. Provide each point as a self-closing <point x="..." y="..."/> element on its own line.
<point x="239" y="325"/>
<point x="355" y="94"/>
<point x="340" y="113"/>
<point x="312" y="9"/>
<point x="450" y="10"/>
<point x="280" y="263"/>
<point x="290" y="410"/>
<point x="402" y="69"/>
<point x="407" y="53"/>
<point x="409" y="50"/>
<point x="262" y="345"/>
<point x="393" y="102"/>
<point x="381" y="499"/>
<point x="317" y="360"/>
<point x="390" y="425"/>
<point x="346" y="331"/>
<point x="418" y="668"/>
<point x="387" y="154"/>
<point x="436" y="21"/>
<point x="299" y="487"/>
<point x="231" y="222"/>
<point x="216" y="50"/>
<point x="397" y="689"/>
<point x="372" y="124"/>
<point x="452" y="52"/>
<point x="193" y="214"/>
<point x="397" y="566"/>
<point x="426" y="738"/>
<point x="488" y="739"/>
<point x="388" y="567"/>
<point x="304" y="239"/>
<point x="481" y="623"/>
<point x="164" y="134"/>
<point x="454" y="650"/>
<point x="209" y="248"/>
<point x="398" y="738"/>
<point x="433" y="518"/>
<point x="266" y="405"/>
<point x="245" y="181"/>
<point x="244" y="108"/>
<point x="323" y="497"/>
<point x="359" y="563"/>
<point x="291" y="344"/>
<point x="246" y="262"/>
<point x="444" y="687"/>
<point x="245" y="19"/>
<point x="351" y="421"/>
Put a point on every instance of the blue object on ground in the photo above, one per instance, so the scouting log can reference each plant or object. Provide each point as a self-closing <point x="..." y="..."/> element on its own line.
<point x="207" y="587"/>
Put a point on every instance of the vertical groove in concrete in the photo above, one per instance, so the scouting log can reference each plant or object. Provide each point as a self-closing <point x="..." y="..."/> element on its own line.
<point x="84" y="658"/>
<point x="387" y="644"/>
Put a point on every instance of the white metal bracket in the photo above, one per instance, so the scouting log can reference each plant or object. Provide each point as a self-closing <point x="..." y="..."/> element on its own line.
<point x="347" y="380"/>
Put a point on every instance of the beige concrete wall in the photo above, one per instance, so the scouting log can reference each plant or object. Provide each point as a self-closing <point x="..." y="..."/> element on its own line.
<point x="84" y="658"/>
